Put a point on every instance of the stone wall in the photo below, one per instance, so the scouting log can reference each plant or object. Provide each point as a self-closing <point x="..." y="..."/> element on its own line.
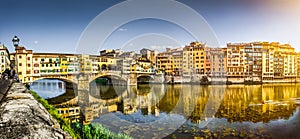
<point x="4" y="86"/>
<point x="21" y="116"/>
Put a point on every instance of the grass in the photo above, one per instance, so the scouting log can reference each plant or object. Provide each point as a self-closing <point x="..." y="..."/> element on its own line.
<point x="97" y="131"/>
<point x="77" y="130"/>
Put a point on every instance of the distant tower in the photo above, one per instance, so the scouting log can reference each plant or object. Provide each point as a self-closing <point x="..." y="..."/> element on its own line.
<point x="16" y="41"/>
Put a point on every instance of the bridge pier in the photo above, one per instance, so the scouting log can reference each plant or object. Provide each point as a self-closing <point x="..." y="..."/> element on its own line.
<point x="83" y="90"/>
<point x="132" y="79"/>
<point x="84" y="96"/>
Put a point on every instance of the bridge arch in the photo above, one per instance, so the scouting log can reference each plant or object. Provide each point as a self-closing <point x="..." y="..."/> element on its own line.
<point x="69" y="83"/>
<point x="145" y="78"/>
<point x="107" y="75"/>
<point x="66" y="80"/>
<point x="145" y="75"/>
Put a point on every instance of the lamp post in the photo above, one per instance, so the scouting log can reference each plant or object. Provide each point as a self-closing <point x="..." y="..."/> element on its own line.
<point x="16" y="41"/>
<point x="13" y="67"/>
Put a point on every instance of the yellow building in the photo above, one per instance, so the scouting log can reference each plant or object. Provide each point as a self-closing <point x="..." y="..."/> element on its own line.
<point x="298" y="65"/>
<point x="279" y="62"/>
<point x="244" y="62"/>
<point x="31" y="65"/>
<point x="286" y="62"/>
<point x="240" y="62"/>
<point x="237" y="62"/>
<point x="54" y="64"/>
<point x="22" y="59"/>
<point x="261" y="61"/>
<point x="164" y="63"/>
<point x="194" y="58"/>
<point x="107" y="63"/>
<point x="144" y="66"/>
<point x="47" y="64"/>
<point x="4" y="58"/>
<point x="64" y="65"/>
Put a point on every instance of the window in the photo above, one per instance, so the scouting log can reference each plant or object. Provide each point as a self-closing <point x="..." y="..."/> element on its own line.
<point x="28" y="58"/>
<point x="28" y="65"/>
<point x="20" y="64"/>
<point x="20" y="57"/>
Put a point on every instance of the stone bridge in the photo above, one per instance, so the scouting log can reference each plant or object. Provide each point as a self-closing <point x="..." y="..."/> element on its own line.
<point x="131" y="78"/>
<point x="82" y="82"/>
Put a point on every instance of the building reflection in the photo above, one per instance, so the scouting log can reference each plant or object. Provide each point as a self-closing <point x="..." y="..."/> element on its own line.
<point x="236" y="103"/>
<point x="262" y="103"/>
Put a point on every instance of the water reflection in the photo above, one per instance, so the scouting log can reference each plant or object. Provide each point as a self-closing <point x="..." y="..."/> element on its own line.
<point x="48" y="88"/>
<point x="188" y="110"/>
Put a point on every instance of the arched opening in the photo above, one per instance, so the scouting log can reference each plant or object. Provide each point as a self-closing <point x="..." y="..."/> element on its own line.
<point x="144" y="79"/>
<point x="110" y="80"/>
<point x="55" y="90"/>
<point x="108" y="87"/>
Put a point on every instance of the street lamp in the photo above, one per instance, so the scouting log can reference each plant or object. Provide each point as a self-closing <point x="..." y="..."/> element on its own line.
<point x="16" y="41"/>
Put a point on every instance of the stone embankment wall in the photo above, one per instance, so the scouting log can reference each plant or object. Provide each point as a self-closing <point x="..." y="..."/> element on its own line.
<point x="4" y="86"/>
<point x="21" y="116"/>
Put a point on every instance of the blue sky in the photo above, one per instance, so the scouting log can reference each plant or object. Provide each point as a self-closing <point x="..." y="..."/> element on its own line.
<point x="56" y="25"/>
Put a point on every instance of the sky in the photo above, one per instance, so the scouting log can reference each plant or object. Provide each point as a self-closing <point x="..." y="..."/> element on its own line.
<point x="58" y="25"/>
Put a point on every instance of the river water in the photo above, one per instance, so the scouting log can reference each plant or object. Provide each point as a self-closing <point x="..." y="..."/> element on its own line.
<point x="186" y="111"/>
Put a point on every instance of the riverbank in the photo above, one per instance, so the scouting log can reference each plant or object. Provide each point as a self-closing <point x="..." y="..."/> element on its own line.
<point x="24" y="114"/>
<point x="21" y="116"/>
<point x="204" y="80"/>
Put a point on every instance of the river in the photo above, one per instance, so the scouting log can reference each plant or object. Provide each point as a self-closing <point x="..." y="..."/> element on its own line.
<point x="184" y="111"/>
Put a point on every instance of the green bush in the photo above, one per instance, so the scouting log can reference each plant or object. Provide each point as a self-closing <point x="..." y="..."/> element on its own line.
<point x="97" y="131"/>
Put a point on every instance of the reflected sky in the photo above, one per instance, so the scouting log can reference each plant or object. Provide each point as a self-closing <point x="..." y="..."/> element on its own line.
<point x="48" y="88"/>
